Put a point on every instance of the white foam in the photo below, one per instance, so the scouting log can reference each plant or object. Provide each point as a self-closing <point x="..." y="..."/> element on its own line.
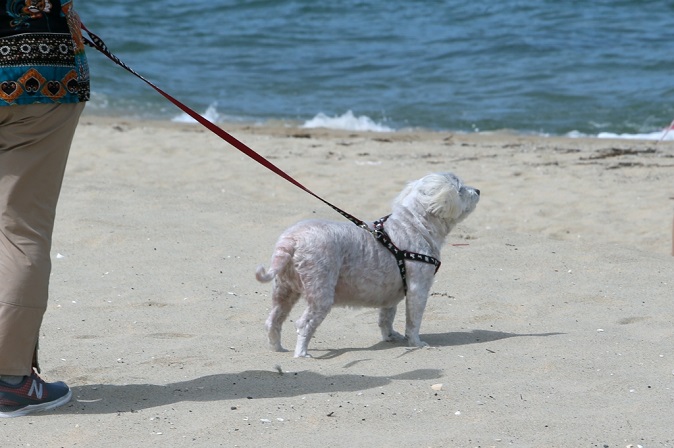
<point x="575" y="134"/>
<point x="659" y="135"/>
<point x="211" y="114"/>
<point x="347" y="122"/>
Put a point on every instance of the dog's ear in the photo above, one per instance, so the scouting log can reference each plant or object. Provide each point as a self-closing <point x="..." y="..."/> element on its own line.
<point x="436" y="194"/>
<point x="442" y="197"/>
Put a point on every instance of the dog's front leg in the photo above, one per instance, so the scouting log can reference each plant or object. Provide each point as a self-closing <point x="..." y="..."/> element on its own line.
<point x="386" y="318"/>
<point x="415" y="304"/>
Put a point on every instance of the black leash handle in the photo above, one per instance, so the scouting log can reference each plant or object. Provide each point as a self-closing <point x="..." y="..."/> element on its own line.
<point x="96" y="42"/>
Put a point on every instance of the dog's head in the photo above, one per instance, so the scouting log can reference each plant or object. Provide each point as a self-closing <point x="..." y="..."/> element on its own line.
<point x="439" y="194"/>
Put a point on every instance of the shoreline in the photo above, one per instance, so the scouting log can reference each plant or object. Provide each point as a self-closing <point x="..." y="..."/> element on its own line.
<point x="354" y="124"/>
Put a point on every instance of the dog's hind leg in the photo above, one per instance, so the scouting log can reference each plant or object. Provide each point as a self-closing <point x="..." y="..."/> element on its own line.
<point x="308" y="323"/>
<point x="386" y="317"/>
<point x="283" y="300"/>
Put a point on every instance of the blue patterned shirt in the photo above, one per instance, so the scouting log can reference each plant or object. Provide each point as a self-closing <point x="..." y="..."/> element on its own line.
<point x="42" y="56"/>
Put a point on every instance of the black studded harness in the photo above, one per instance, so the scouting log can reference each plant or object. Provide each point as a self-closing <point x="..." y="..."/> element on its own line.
<point x="401" y="255"/>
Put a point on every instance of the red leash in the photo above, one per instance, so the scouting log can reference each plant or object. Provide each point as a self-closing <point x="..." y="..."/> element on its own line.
<point x="97" y="43"/>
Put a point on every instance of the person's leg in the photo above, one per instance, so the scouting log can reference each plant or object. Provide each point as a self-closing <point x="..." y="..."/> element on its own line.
<point x="34" y="145"/>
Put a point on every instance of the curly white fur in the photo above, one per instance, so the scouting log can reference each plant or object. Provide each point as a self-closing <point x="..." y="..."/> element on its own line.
<point x="340" y="264"/>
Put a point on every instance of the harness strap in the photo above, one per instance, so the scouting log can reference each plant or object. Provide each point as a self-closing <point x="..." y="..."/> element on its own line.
<point x="401" y="255"/>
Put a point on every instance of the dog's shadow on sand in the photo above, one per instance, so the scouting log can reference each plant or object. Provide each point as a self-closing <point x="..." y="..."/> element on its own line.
<point x="442" y="340"/>
<point x="474" y="337"/>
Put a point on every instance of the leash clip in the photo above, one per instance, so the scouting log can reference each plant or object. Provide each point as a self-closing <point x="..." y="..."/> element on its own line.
<point x="374" y="232"/>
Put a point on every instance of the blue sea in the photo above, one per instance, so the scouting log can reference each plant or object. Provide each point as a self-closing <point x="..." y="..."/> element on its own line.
<point x="550" y="67"/>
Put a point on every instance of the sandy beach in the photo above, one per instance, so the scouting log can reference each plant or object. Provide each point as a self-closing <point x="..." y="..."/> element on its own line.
<point x="551" y="322"/>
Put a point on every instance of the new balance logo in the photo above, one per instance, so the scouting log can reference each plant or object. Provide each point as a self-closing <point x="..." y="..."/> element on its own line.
<point x="36" y="389"/>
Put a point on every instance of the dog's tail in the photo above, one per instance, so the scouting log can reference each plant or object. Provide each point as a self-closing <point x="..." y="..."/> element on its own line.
<point x="283" y="255"/>
<point x="263" y="276"/>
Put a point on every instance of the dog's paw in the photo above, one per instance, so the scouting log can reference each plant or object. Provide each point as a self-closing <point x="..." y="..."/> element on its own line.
<point x="275" y="346"/>
<point x="394" y="336"/>
<point x="416" y="342"/>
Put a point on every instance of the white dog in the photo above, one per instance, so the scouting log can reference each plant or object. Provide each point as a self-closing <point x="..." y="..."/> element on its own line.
<point x="343" y="264"/>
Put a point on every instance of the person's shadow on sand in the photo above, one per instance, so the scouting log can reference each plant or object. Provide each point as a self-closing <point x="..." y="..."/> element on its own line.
<point x="255" y="384"/>
<point x="247" y="385"/>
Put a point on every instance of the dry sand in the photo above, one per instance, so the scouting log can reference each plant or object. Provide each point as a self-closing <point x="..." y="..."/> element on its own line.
<point x="551" y="321"/>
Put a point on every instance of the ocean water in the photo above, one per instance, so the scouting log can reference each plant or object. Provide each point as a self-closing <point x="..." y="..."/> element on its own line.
<point x="601" y="68"/>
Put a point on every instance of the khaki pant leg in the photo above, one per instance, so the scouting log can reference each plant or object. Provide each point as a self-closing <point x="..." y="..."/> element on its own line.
<point x="34" y="145"/>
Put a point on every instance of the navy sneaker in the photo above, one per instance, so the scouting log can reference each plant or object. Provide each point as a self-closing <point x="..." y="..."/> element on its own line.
<point x="32" y="394"/>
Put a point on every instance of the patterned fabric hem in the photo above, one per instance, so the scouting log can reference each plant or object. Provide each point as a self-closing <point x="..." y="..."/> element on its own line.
<point x="37" y="49"/>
